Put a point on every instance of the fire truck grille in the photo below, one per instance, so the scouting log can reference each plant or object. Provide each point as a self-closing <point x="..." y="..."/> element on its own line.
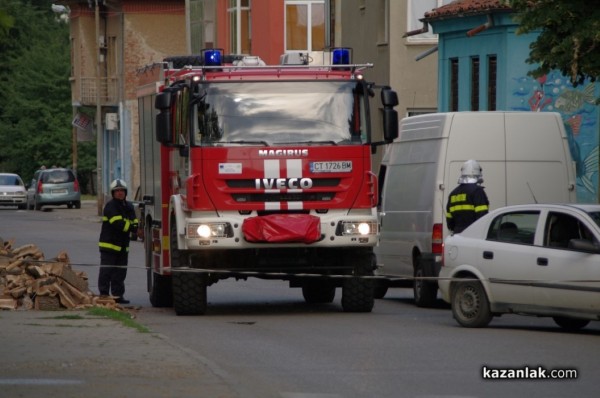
<point x="284" y="197"/>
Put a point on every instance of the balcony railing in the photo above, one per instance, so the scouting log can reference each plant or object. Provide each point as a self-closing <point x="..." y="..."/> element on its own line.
<point x="108" y="91"/>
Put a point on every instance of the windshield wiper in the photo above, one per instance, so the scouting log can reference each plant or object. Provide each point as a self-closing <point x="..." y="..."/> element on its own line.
<point x="325" y="142"/>
<point x="245" y="142"/>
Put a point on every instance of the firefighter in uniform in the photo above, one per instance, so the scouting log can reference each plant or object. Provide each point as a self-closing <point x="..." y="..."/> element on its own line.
<point x="119" y="224"/>
<point x="468" y="201"/>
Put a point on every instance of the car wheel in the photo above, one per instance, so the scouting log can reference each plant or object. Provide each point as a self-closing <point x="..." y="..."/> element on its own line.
<point x="570" y="324"/>
<point x="38" y="206"/>
<point x="470" y="305"/>
<point x="78" y="204"/>
<point x="22" y="207"/>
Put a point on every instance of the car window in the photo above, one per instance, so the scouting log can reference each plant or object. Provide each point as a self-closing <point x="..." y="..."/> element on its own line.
<point x="10" y="180"/>
<point x="595" y="215"/>
<point x="57" y="177"/>
<point x="561" y="228"/>
<point x="516" y="227"/>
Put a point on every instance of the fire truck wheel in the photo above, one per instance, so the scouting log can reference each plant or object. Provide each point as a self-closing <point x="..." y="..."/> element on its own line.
<point x="317" y="292"/>
<point x="161" y="292"/>
<point x="357" y="292"/>
<point x="189" y="292"/>
<point x="189" y="286"/>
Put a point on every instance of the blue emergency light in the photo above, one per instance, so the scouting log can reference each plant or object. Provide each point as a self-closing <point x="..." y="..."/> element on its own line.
<point x="341" y="56"/>
<point x="212" y="57"/>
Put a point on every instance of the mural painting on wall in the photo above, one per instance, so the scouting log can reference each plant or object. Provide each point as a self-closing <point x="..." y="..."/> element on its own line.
<point x="554" y="93"/>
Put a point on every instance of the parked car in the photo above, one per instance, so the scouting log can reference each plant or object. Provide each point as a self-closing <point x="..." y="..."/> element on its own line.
<point x="12" y="191"/>
<point x="537" y="259"/>
<point x="56" y="186"/>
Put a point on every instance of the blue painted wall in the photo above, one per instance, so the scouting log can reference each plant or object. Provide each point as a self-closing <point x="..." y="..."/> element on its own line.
<point x="517" y="91"/>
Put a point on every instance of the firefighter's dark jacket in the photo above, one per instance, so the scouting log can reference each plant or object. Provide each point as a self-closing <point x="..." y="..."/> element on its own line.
<point x="466" y="203"/>
<point x="119" y="222"/>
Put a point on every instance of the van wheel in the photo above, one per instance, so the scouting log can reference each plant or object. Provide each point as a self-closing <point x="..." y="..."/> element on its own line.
<point x="470" y="305"/>
<point x="380" y="289"/>
<point x="425" y="292"/>
<point x="570" y="324"/>
<point x="318" y="292"/>
<point x="38" y="206"/>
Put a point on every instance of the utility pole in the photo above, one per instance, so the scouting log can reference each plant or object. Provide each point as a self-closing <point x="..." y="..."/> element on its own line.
<point x="99" y="128"/>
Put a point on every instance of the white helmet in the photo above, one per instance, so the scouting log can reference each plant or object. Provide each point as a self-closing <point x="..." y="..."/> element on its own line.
<point x="118" y="184"/>
<point x="470" y="173"/>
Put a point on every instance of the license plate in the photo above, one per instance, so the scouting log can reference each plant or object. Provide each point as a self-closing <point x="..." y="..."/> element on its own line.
<point x="59" y="191"/>
<point x="342" y="166"/>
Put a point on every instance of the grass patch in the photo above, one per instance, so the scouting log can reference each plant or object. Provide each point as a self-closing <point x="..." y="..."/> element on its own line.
<point x="122" y="317"/>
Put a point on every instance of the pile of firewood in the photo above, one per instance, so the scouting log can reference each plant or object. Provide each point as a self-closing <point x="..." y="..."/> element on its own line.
<point x="28" y="281"/>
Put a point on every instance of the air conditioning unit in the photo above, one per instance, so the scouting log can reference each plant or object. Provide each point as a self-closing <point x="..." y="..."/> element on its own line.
<point x="111" y="121"/>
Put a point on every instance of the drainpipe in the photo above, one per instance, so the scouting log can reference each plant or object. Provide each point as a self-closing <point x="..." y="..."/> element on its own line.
<point x="424" y="29"/>
<point x="481" y="28"/>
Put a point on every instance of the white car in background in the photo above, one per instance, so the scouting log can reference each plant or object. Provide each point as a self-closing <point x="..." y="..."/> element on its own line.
<point x="538" y="259"/>
<point x="12" y="191"/>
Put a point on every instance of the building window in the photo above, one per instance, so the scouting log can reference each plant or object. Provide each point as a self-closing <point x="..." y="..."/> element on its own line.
<point x="416" y="10"/>
<point x="305" y="25"/>
<point x="491" y="87"/>
<point x="383" y="30"/>
<point x="453" y="84"/>
<point x="239" y="27"/>
<point x="202" y="26"/>
<point x="474" y="83"/>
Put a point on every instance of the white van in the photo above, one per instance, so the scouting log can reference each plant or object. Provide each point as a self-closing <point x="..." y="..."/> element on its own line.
<point x="524" y="157"/>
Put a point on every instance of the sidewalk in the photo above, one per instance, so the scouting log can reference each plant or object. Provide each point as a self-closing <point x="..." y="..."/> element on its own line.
<point x="73" y="354"/>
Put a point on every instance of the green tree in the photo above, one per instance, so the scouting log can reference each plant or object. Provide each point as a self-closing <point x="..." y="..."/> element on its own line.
<point x="35" y="105"/>
<point x="569" y="39"/>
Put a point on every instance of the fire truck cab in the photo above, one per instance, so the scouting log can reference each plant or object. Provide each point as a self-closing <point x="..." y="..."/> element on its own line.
<point x="253" y="170"/>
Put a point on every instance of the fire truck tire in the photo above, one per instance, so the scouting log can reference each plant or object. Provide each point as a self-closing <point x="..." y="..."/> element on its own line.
<point x="161" y="291"/>
<point x="189" y="293"/>
<point x="318" y="292"/>
<point x="189" y="287"/>
<point x="357" y="292"/>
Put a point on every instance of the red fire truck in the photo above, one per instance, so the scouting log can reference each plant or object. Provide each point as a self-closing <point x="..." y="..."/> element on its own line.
<point x="253" y="170"/>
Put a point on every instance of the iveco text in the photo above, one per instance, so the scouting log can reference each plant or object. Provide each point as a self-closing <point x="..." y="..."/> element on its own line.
<point x="283" y="183"/>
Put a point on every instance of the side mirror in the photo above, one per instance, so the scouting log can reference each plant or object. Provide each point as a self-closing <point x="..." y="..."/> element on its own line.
<point x="389" y="99"/>
<point x="163" y="100"/>
<point x="164" y="132"/>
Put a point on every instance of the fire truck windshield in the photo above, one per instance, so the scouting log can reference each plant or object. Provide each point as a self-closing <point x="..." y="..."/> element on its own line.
<point x="279" y="113"/>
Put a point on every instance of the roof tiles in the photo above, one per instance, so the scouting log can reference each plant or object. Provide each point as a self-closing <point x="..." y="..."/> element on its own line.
<point x="467" y="7"/>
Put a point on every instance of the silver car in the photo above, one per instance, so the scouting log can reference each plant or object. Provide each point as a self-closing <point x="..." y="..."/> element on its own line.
<point x="12" y="191"/>
<point x="57" y="186"/>
<point x="538" y="259"/>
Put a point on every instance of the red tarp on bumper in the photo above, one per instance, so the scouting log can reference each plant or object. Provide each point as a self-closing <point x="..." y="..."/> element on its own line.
<point x="282" y="228"/>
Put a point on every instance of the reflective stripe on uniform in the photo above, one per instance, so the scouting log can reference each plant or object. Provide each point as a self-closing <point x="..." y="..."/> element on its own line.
<point x="481" y="208"/>
<point x="462" y="208"/>
<point x="461" y="197"/>
<point x="110" y="246"/>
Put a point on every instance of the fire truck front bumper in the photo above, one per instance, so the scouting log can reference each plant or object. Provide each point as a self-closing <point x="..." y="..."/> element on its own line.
<point x="233" y="231"/>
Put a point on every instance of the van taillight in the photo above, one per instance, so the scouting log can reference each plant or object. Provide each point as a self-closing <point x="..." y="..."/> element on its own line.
<point x="39" y="187"/>
<point x="437" y="239"/>
<point x="76" y="186"/>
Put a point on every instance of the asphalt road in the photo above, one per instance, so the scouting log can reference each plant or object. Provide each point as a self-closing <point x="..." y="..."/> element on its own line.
<point x="259" y="338"/>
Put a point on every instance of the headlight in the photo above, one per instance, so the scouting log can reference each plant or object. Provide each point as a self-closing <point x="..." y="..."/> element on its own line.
<point x="209" y="230"/>
<point x="346" y="228"/>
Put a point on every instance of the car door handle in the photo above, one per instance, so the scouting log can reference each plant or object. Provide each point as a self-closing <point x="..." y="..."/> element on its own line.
<point x="542" y="261"/>
<point x="488" y="255"/>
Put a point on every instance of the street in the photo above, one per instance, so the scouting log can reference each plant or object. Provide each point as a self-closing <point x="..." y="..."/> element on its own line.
<point x="262" y="340"/>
